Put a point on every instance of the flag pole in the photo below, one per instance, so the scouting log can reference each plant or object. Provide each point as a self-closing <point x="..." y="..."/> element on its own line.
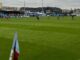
<point x="24" y="6"/>
<point x="11" y="55"/>
<point x="42" y="7"/>
<point x="1" y="4"/>
<point x="15" y="48"/>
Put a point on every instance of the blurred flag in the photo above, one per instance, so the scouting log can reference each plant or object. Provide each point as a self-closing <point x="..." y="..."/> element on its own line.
<point x="15" y="49"/>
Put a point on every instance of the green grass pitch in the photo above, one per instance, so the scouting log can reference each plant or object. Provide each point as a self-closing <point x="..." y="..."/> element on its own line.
<point x="46" y="39"/>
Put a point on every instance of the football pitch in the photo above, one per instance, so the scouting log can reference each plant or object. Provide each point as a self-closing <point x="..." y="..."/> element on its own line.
<point x="44" y="39"/>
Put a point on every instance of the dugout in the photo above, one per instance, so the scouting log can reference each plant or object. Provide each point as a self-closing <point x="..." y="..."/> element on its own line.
<point x="4" y="13"/>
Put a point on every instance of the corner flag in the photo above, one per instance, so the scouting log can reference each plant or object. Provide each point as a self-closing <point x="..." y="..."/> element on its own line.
<point x="15" y="49"/>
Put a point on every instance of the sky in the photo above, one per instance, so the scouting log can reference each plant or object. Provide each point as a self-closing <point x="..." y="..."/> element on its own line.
<point x="66" y="4"/>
